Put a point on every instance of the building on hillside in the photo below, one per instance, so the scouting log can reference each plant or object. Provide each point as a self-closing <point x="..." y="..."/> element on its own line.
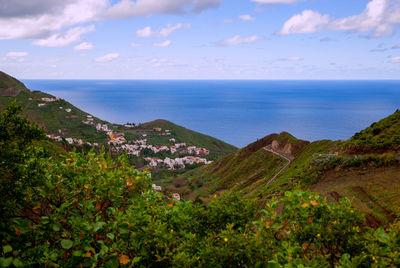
<point x="176" y="196"/>
<point x="49" y="99"/>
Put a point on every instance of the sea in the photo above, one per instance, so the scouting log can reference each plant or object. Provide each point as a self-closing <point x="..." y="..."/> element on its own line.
<point x="236" y="111"/>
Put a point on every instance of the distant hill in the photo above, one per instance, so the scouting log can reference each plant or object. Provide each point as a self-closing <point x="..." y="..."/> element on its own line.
<point x="61" y="118"/>
<point x="365" y="168"/>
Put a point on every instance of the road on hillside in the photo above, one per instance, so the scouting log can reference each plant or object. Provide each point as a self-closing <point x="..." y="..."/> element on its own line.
<point x="270" y="149"/>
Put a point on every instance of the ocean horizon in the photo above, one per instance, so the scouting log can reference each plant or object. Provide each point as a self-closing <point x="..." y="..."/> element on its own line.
<point x="236" y="111"/>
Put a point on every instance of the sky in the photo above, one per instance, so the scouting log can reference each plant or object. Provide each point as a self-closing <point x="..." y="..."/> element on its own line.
<point x="200" y="39"/>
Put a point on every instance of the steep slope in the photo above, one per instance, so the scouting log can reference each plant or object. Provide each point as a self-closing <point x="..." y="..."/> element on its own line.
<point x="245" y="170"/>
<point x="9" y="86"/>
<point x="381" y="136"/>
<point x="365" y="169"/>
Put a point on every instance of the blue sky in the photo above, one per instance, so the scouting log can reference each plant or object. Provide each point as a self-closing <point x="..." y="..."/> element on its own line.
<point x="200" y="39"/>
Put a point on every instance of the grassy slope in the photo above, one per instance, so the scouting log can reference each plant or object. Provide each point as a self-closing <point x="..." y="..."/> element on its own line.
<point x="380" y="136"/>
<point x="52" y="118"/>
<point x="245" y="171"/>
<point x="375" y="191"/>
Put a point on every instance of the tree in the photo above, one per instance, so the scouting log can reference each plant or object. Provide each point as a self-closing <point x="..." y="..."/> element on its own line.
<point x="19" y="170"/>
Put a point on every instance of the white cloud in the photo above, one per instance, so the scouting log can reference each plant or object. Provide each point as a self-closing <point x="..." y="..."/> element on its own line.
<point x="237" y="39"/>
<point x="274" y="1"/>
<point x="47" y="22"/>
<point x="307" y="22"/>
<point x="164" y="32"/>
<point x="396" y="46"/>
<point x="227" y="20"/>
<point x="84" y="46"/>
<point x="380" y="18"/>
<point x="395" y="59"/>
<point x="136" y="45"/>
<point x="295" y="58"/>
<point x="16" y="54"/>
<point x="245" y="17"/>
<point x="107" y="58"/>
<point x="163" y="44"/>
<point x="142" y="8"/>
<point x="64" y="39"/>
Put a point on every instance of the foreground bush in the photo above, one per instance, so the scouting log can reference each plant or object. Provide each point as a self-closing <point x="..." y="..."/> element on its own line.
<point x="90" y="210"/>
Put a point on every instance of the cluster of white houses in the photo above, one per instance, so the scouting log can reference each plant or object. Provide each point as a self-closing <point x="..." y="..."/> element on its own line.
<point x="177" y="163"/>
<point x="135" y="147"/>
<point x="72" y="140"/>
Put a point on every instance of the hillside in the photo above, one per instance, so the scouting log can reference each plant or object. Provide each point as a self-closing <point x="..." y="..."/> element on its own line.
<point x="154" y="141"/>
<point x="379" y="137"/>
<point x="180" y="134"/>
<point x="88" y="210"/>
<point x="365" y="169"/>
<point x="245" y="170"/>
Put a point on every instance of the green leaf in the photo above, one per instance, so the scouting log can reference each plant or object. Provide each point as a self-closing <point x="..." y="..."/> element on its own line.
<point x="66" y="244"/>
<point x="110" y="236"/>
<point x="56" y="227"/>
<point x="136" y="260"/>
<point x="383" y="237"/>
<point x="98" y="225"/>
<point x="77" y="253"/>
<point x="5" y="262"/>
<point x="272" y="264"/>
<point x="18" y="263"/>
<point x="7" y="249"/>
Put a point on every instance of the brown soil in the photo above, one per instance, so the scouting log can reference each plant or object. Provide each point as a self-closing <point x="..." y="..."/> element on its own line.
<point x="375" y="191"/>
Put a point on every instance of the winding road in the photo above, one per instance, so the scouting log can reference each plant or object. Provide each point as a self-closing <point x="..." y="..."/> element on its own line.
<point x="270" y="149"/>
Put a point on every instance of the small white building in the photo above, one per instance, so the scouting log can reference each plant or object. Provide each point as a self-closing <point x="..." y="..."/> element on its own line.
<point x="176" y="196"/>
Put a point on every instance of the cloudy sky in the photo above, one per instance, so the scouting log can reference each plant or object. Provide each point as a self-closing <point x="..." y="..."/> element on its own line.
<point x="200" y="39"/>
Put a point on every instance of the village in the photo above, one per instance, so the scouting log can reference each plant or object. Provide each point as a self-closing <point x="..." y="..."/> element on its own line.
<point x="179" y="154"/>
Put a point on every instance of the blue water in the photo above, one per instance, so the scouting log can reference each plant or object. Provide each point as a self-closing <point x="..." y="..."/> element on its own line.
<point x="238" y="112"/>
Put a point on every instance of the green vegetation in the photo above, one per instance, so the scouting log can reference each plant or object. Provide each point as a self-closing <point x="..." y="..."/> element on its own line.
<point x="380" y="136"/>
<point x="245" y="171"/>
<point x="50" y="116"/>
<point x="89" y="210"/>
<point x="364" y="169"/>
<point x="12" y="85"/>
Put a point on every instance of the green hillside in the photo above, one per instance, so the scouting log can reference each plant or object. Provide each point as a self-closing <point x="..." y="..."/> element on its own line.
<point x="364" y="169"/>
<point x="61" y="118"/>
<point x="380" y="136"/>
<point x="245" y="171"/>
<point x="88" y="210"/>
